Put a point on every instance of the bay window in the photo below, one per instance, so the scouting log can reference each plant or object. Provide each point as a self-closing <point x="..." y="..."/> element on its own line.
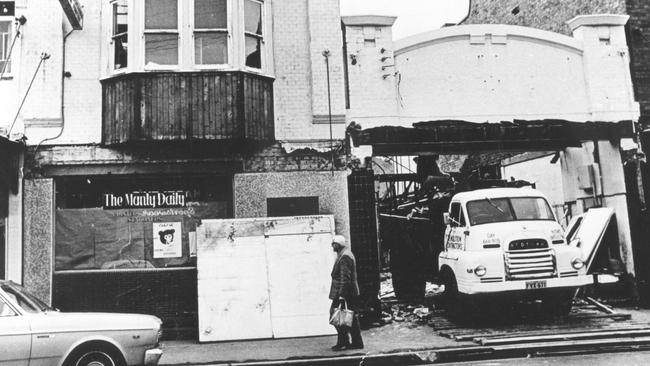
<point x="188" y="35"/>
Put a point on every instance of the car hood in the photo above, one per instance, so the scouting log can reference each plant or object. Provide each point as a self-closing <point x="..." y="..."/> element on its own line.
<point x="94" y="321"/>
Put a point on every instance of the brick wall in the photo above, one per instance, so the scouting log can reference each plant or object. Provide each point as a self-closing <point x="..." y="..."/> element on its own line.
<point x="301" y="31"/>
<point x="275" y="159"/>
<point x="639" y="44"/>
<point x="371" y="74"/>
<point x="549" y="15"/>
<point x="40" y="34"/>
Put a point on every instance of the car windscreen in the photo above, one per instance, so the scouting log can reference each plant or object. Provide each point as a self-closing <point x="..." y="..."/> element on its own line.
<point x="491" y="210"/>
<point x="25" y="300"/>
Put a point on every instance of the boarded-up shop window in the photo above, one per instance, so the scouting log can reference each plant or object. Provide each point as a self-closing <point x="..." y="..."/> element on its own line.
<point x="89" y="236"/>
<point x="292" y="206"/>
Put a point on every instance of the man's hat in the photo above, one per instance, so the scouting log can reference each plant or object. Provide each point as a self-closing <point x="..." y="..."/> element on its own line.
<point x="339" y="239"/>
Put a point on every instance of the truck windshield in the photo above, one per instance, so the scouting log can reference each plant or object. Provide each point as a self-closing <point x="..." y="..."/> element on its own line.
<point x="490" y="210"/>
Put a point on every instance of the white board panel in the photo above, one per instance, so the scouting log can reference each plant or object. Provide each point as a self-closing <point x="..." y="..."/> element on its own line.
<point x="233" y="289"/>
<point x="264" y="277"/>
<point x="298" y="225"/>
<point x="299" y="276"/>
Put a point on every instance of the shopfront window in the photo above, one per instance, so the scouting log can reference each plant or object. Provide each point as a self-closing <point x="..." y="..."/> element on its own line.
<point x="113" y="224"/>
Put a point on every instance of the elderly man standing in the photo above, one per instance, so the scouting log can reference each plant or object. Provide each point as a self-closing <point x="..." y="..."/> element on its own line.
<point x="345" y="290"/>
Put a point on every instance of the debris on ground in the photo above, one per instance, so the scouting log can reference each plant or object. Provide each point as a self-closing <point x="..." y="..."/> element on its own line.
<point x="403" y="313"/>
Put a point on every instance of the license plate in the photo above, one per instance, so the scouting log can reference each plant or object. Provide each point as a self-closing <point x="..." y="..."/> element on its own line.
<point x="535" y="284"/>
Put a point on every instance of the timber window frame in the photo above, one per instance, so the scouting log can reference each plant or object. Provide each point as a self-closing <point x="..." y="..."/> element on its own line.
<point x="164" y="31"/>
<point x="6" y="39"/>
<point x="253" y="61"/>
<point x="201" y="32"/>
<point x="204" y="37"/>
<point x="119" y="52"/>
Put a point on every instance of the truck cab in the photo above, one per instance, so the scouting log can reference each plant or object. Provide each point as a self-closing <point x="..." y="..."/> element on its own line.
<point x="508" y="241"/>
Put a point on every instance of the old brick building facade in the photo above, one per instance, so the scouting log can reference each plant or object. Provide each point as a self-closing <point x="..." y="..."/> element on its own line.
<point x="227" y="103"/>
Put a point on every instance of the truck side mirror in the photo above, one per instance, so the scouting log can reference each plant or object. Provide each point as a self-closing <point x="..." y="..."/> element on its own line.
<point x="445" y="218"/>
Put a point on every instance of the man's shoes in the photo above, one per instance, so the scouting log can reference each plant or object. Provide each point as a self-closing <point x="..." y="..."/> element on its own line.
<point x="340" y="347"/>
<point x="355" y="346"/>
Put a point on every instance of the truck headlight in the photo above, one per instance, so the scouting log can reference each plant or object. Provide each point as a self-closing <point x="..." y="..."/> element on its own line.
<point x="480" y="270"/>
<point x="577" y="263"/>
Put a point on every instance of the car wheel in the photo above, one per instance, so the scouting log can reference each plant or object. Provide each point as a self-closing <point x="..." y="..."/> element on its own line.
<point x="95" y="357"/>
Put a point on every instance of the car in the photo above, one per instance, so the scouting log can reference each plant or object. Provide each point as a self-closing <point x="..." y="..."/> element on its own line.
<point x="33" y="333"/>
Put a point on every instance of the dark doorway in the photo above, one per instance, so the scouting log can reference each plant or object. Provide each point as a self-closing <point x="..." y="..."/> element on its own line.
<point x="292" y="206"/>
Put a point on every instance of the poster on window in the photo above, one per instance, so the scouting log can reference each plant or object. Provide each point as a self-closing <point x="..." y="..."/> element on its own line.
<point x="167" y="240"/>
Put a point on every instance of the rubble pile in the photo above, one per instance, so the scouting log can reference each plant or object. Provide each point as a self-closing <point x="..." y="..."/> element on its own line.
<point x="409" y="314"/>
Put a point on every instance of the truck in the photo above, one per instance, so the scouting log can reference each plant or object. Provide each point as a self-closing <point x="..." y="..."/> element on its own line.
<point x="508" y="242"/>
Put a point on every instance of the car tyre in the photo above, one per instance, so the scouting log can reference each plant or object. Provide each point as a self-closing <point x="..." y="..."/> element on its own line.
<point x="94" y="356"/>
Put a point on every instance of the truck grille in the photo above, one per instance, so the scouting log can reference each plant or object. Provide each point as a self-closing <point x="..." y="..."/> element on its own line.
<point x="529" y="264"/>
<point x="526" y="244"/>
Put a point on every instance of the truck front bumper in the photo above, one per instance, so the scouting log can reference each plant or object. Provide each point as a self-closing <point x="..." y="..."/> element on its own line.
<point x="545" y="284"/>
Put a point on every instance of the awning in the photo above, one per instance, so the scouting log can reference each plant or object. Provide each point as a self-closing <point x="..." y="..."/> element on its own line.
<point x="462" y="137"/>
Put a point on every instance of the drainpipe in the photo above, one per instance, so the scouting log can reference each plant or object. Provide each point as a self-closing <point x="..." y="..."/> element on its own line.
<point x="63" y="76"/>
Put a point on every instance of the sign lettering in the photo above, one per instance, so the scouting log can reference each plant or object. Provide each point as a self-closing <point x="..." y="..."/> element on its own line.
<point x="145" y="199"/>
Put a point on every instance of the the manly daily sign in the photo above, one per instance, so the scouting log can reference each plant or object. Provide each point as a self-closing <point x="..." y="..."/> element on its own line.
<point x="144" y="199"/>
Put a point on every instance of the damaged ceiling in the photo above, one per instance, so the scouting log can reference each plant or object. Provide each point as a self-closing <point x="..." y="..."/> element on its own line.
<point x="462" y="137"/>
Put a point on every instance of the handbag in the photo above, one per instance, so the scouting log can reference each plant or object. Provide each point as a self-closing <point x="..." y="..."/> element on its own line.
<point x="342" y="316"/>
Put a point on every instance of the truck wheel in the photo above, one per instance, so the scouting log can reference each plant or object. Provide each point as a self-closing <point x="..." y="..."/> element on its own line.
<point x="558" y="305"/>
<point x="450" y="296"/>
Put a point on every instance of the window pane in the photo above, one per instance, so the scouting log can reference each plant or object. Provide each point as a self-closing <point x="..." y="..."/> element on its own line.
<point x="489" y="210"/>
<point x="120" y="17"/>
<point x="253" y="57"/>
<point x="5" y="43"/>
<point x="120" y="37"/>
<point x="121" y="54"/>
<point x="161" y="14"/>
<point x="161" y="49"/>
<point x="210" y="14"/>
<point x="210" y="48"/>
<point x="531" y="209"/>
<point x="253" y="17"/>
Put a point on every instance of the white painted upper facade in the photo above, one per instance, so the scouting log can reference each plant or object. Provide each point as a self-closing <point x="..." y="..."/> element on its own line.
<point x="492" y="73"/>
<point x="295" y="33"/>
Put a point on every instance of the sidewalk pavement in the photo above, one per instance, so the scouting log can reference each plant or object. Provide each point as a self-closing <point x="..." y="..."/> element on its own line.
<point x="400" y="339"/>
<point x="397" y="343"/>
